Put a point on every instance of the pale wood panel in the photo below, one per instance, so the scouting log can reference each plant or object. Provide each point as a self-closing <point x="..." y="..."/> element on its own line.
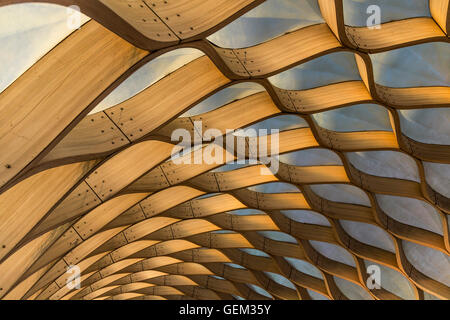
<point x="127" y="166"/>
<point x="188" y="18"/>
<point x="339" y="210"/>
<point x="292" y="140"/>
<point x="152" y="181"/>
<point x="277" y="143"/>
<point x="88" y="246"/>
<point x="419" y="97"/>
<point x="64" y="290"/>
<point x="327" y="97"/>
<point x="177" y="123"/>
<point x="424" y="151"/>
<point x="20" y="261"/>
<point x="153" y="297"/>
<point x="75" y="73"/>
<point x="358" y="141"/>
<point x="395" y="34"/>
<point x="270" y="201"/>
<point x="208" y="282"/>
<point x="273" y="247"/>
<point x="232" y="273"/>
<point x="27" y="202"/>
<point x="148" y="226"/>
<point x="244" y="177"/>
<point x="365" y="71"/>
<point x="215" y="284"/>
<point x="118" y="266"/>
<point x="142" y="18"/>
<point x="288" y="49"/>
<point x="111" y="244"/>
<point x="95" y="220"/>
<point x="157" y="104"/>
<point x="95" y="134"/>
<point x="69" y="240"/>
<point x="243" y="223"/>
<point x="205" y="207"/>
<point x="60" y="277"/>
<point x="70" y="295"/>
<point x="231" y="61"/>
<point x="98" y="293"/>
<point x="195" y="163"/>
<point x="167" y="199"/>
<point x="204" y="294"/>
<point x="221" y="240"/>
<point x="199" y="230"/>
<point x="330" y="266"/>
<point x="130" y="216"/>
<point x="239" y="114"/>
<point x="21" y="289"/>
<point x="171" y="246"/>
<point x="329" y="10"/>
<point x="80" y="200"/>
<point x="135" y="286"/>
<point x="318" y="174"/>
<point x="333" y="14"/>
<point x="113" y="279"/>
<point x="205" y="181"/>
<point x="385" y="185"/>
<point x="127" y="296"/>
<point x="203" y="255"/>
<point x="440" y="12"/>
<point x="186" y="228"/>
<point x="250" y="261"/>
<point x="131" y="248"/>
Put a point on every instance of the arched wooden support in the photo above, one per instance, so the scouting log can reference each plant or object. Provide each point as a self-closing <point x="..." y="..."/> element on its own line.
<point x="102" y="193"/>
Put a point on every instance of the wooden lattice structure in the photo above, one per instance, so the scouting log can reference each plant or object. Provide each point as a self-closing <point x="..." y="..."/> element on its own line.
<point x="100" y="191"/>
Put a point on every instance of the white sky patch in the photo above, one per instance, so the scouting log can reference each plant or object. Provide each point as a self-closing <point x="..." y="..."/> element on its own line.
<point x="27" y="32"/>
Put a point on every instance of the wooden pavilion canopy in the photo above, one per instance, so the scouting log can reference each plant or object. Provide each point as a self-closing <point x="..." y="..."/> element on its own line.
<point x="100" y="190"/>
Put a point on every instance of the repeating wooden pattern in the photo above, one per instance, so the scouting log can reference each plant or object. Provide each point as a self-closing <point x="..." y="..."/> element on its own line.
<point x="101" y="191"/>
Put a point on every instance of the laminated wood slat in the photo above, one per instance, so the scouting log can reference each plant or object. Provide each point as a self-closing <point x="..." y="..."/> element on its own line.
<point x="157" y="104"/>
<point x="96" y="191"/>
<point x="189" y="18"/>
<point x="71" y="73"/>
<point x="395" y="34"/>
<point x="36" y="196"/>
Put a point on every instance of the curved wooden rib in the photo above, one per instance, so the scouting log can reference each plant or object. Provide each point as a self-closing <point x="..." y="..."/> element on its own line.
<point x="148" y="109"/>
<point x="421" y="97"/>
<point x="198" y="18"/>
<point x="170" y="22"/>
<point x="122" y="209"/>
<point x="50" y="185"/>
<point x="333" y="14"/>
<point x="440" y="11"/>
<point x="280" y="53"/>
<point x="390" y="35"/>
<point x="157" y="24"/>
<point x="395" y="34"/>
<point x="324" y="98"/>
<point x="76" y="73"/>
<point x="70" y="149"/>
